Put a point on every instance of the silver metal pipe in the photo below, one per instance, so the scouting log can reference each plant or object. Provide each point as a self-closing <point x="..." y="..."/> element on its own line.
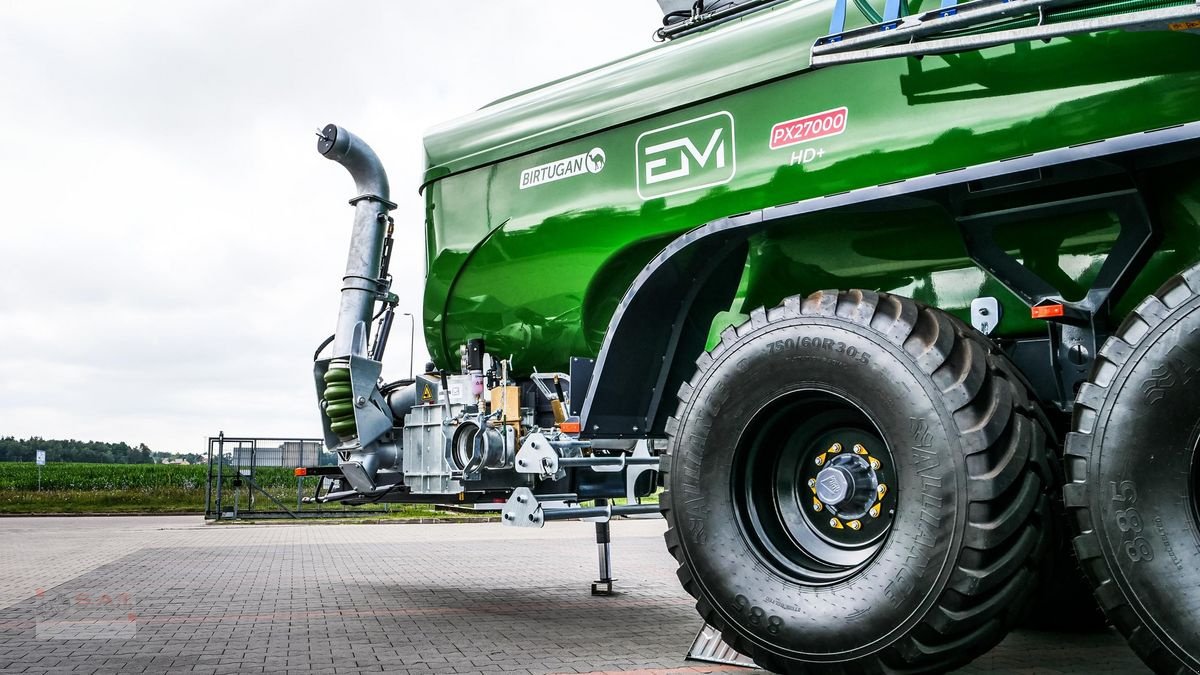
<point x="332" y="497"/>
<point x="605" y="552"/>
<point x="935" y="20"/>
<point x="360" y="285"/>
<point x="1149" y="19"/>
<point x="616" y="460"/>
<point x="401" y="401"/>
<point x="604" y="546"/>
<point x="598" y="512"/>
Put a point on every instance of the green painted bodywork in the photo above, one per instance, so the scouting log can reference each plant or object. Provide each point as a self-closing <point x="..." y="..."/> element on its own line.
<point x="539" y="271"/>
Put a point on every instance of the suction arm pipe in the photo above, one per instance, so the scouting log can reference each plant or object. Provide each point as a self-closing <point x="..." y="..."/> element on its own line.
<point x="361" y="284"/>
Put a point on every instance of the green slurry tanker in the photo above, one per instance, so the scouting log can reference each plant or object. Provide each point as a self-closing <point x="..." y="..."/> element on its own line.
<point x="896" y="310"/>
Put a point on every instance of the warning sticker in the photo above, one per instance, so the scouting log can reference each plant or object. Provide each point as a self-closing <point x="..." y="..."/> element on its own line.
<point x="427" y="394"/>
<point x="809" y="128"/>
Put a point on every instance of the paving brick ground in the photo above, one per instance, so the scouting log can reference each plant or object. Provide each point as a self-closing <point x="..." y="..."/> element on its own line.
<point x="158" y="595"/>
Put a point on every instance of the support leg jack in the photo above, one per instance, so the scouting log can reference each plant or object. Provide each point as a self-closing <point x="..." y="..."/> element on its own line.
<point x="603" y="586"/>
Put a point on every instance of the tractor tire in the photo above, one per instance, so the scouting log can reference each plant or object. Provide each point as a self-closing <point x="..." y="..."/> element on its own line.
<point x="1064" y="602"/>
<point x="815" y="573"/>
<point x="1133" y="473"/>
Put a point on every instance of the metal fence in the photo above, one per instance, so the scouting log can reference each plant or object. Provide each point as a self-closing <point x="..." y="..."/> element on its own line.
<point x="286" y="454"/>
<point x="255" y="477"/>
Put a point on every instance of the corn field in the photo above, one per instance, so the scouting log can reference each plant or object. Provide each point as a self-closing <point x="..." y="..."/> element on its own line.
<point x="23" y="476"/>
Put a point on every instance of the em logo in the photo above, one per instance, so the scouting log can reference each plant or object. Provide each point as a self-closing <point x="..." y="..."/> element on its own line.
<point x="687" y="156"/>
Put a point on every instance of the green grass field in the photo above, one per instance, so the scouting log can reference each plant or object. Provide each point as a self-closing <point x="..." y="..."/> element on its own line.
<point x="101" y="501"/>
<point x="118" y="488"/>
<point x="122" y="477"/>
<point x="147" y="488"/>
<point x="160" y="488"/>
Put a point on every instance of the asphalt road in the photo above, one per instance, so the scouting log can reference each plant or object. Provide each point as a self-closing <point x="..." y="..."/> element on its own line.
<point x="170" y="594"/>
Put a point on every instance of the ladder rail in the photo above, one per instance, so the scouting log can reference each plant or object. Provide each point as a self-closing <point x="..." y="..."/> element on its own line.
<point x="827" y="52"/>
<point x="936" y="20"/>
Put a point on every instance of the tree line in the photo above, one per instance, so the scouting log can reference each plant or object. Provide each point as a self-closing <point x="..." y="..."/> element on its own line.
<point x="95" y="452"/>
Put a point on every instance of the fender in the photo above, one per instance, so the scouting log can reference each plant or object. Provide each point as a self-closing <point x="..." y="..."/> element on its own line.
<point x="645" y="358"/>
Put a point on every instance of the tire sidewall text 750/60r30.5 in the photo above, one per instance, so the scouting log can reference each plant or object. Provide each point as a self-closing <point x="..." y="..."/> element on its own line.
<point x="1133" y="471"/>
<point x="966" y="512"/>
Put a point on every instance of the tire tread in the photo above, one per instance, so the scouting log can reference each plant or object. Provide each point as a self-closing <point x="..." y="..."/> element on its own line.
<point x="1111" y="358"/>
<point x="1007" y="529"/>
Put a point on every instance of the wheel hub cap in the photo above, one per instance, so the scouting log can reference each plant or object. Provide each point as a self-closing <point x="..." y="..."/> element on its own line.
<point x="848" y="486"/>
<point x="834" y="485"/>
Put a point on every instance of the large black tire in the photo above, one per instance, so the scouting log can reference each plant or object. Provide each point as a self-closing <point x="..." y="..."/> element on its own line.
<point x="954" y="569"/>
<point x="1132" y="466"/>
<point x="1063" y="602"/>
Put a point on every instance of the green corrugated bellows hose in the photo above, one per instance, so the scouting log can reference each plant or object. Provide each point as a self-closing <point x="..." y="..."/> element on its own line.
<point x="339" y="403"/>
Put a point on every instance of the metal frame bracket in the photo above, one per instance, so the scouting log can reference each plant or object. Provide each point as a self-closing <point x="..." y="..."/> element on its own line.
<point x="1076" y="328"/>
<point x="523" y="510"/>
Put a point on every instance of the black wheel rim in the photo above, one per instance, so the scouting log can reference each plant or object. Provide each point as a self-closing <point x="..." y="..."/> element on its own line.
<point x="814" y="486"/>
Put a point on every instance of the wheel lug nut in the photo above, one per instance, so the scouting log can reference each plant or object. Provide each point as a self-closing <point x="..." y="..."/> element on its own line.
<point x="874" y="463"/>
<point x="881" y="490"/>
<point x="834" y="449"/>
<point x="835" y="523"/>
<point x="874" y="511"/>
<point x="812" y="484"/>
<point x="817" y="505"/>
<point x="859" y="449"/>
<point x="854" y="525"/>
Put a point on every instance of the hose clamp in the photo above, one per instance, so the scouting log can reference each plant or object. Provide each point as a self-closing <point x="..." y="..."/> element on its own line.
<point x="373" y="198"/>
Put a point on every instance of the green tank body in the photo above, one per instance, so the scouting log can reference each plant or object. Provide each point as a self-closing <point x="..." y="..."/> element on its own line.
<point x="843" y="297"/>
<point x="542" y="208"/>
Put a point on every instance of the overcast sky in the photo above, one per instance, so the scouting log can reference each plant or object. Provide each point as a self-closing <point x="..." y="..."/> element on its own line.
<point x="172" y="243"/>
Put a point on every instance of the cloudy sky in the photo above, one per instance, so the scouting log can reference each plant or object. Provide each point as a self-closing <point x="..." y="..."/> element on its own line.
<point x="172" y="244"/>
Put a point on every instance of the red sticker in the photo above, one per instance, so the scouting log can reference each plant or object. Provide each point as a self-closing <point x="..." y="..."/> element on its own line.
<point x="811" y="127"/>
